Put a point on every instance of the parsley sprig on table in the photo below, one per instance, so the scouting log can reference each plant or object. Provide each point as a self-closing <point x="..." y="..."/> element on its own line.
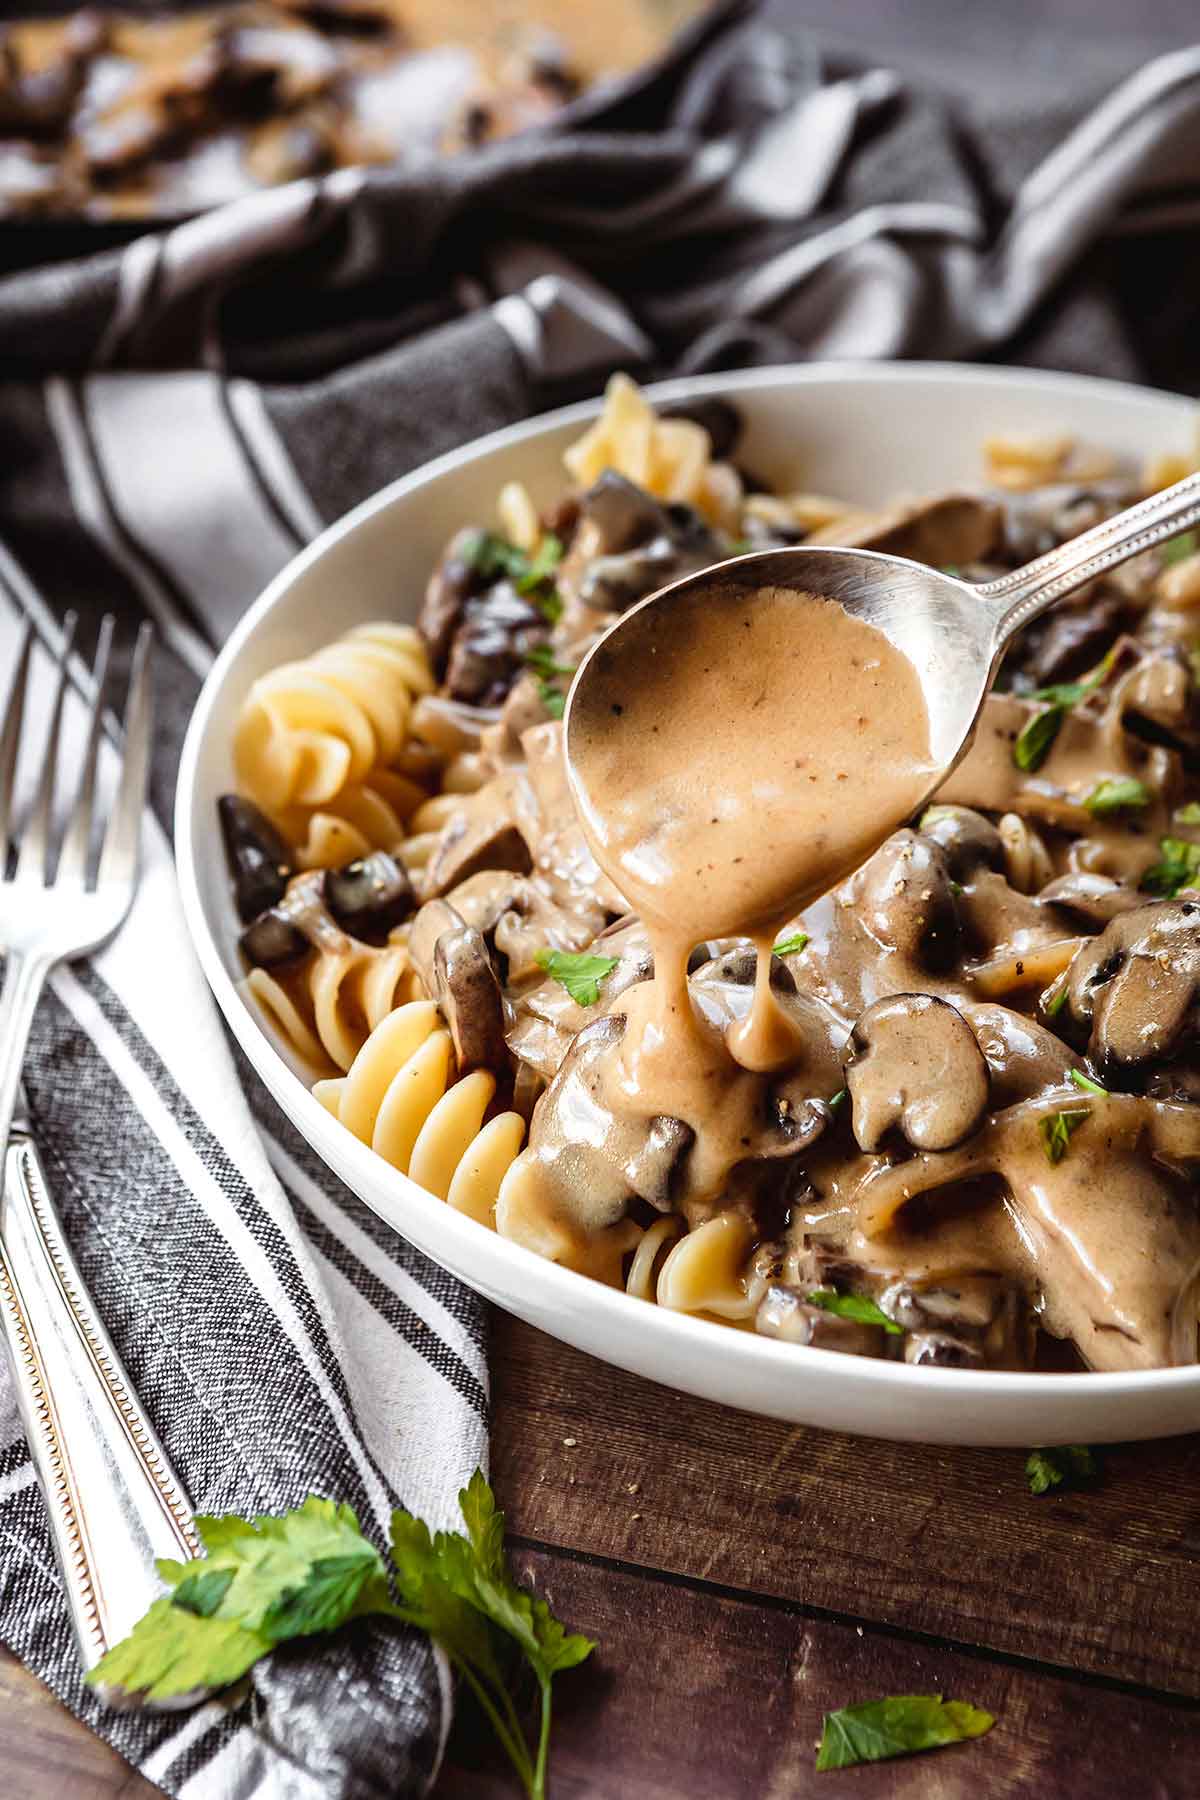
<point x="262" y="1581"/>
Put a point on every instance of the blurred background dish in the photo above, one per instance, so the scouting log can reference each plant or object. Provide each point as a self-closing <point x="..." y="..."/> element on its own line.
<point x="111" y="114"/>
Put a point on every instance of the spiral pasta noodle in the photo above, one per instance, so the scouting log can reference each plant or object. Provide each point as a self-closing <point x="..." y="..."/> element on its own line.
<point x="1027" y="864"/>
<point x="310" y="730"/>
<point x="401" y="1097"/>
<point x="328" y="1010"/>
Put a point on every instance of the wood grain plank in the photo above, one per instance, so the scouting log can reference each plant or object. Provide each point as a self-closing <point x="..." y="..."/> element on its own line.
<point x="945" y="1542"/>
<point x="46" y="1754"/>
<point x="698" y="1696"/>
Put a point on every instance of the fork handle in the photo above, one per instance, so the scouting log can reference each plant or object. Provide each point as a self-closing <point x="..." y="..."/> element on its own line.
<point x="114" y="1501"/>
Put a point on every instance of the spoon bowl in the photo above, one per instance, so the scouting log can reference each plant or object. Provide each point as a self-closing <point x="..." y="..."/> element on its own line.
<point x="952" y="632"/>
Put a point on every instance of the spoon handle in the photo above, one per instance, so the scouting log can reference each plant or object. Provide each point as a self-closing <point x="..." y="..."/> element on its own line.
<point x="1025" y="593"/>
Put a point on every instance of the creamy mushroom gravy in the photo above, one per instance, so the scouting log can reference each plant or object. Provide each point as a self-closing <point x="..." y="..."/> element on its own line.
<point x="972" y="1096"/>
<point x="752" y="748"/>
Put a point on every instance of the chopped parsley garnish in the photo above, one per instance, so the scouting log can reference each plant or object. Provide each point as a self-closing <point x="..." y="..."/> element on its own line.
<point x="1117" y="795"/>
<point x="1071" y="1465"/>
<point x="852" y="1306"/>
<point x="875" y="1730"/>
<point x="266" y="1580"/>
<point x="1035" y="738"/>
<point x="578" y="971"/>
<point x="836" y="1100"/>
<point x="1055" y="999"/>
<point x="542" y="564"/>
<point x="1189" y="814"/>
<point x="1178" y="868"/>
<point x="492" y="556"/>
<point x="541" y="660"/>
<point x="1178" y="549"/>
<point x="1085" y="1082"/>
<point x="791" y="946"/>
<point x="1057" y="1130"/>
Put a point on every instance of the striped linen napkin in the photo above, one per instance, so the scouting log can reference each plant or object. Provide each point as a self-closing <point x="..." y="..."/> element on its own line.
<point x="177" y="418"/>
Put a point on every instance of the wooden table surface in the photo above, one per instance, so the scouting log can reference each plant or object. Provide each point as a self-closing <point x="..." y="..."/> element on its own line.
<point x="742" y="1577"/>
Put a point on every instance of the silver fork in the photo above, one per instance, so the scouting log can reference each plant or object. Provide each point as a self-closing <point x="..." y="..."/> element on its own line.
<point x="113" y="1499"/>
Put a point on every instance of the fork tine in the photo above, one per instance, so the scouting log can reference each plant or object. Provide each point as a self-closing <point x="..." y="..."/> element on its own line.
<point x="118" y="858"/>
<point x="35" y="839"/>
<point x="72" y="862"/>
<point x="10" y="736"/>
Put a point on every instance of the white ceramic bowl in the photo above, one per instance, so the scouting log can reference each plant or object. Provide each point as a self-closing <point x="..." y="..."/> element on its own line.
<point x="858" y="431"/>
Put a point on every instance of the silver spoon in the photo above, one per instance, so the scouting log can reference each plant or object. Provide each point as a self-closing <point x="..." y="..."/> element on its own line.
<point x="954" y="632"/>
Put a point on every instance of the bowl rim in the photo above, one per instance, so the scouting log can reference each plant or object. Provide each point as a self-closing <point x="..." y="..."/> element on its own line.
<point x="556" y="1288"/>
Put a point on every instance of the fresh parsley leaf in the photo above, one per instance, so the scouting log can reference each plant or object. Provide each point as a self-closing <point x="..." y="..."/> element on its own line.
<point x="554" y="701"/>
<point x="262" y="1581"/>
<point x="1178" y="868"/>
<point x="173" y="1651"/>
<point x="836" y="1100"/>
<point x="1071" y="1465"/>
<point x="791" y="946"/>
<point x="454" y="1584"/>
<point x="1036" y="736"/>
<point x="578" y="971"/>
<point x="1085" y="1082"/>
<point x="309" y="1570"/>
<point x="1178" y="549"/>
<point x="1189" y="814"/>
<point x="203" y="1593"/>
<point x="878" y="1729"/>
<point x="1057" y="1130"/>
<point x="1117" y="795"/>
<point x="852" y="1306"/>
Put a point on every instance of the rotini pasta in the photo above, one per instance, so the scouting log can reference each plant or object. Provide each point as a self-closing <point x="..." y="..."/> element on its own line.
<point x="327" y="1010"/>
<point x="309" y="730"/>
<point x="400" y="1097"/>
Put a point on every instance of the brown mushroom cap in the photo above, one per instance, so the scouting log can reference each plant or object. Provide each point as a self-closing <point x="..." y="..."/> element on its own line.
<point x="469" y="998"/>
<point x="914" y="1063"/>
<point x="784" y="1312"/>
<point x="1135" y="985"/>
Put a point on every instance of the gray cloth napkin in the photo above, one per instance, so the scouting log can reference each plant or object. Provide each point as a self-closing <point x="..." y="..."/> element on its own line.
<point x="179" y="415"/>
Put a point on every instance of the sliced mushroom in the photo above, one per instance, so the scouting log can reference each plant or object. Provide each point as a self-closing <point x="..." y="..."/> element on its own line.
<point x="784" y="1313"/>
<point x="471" y="842"/>
<point x="469" y="998"/>
<point x="942" y="1350"/>
<point x="720" y="418"/>
<point x="434" y="918"/>
<point x="273" y="940"/>
<point x="450" y="585"/>
<point x="947" y="529"/>
<point x="499" y="629"/>
<point x="370" y="896"/>
<point x="970" y="841"/>
<point x="1135" y="986"/>
<point x="652" y="1166"/>
<point x="622" y="513"/>
<point x="915" y="1063"/>
<point x="259" y="859"/>
<point x="1092" y="900"/>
